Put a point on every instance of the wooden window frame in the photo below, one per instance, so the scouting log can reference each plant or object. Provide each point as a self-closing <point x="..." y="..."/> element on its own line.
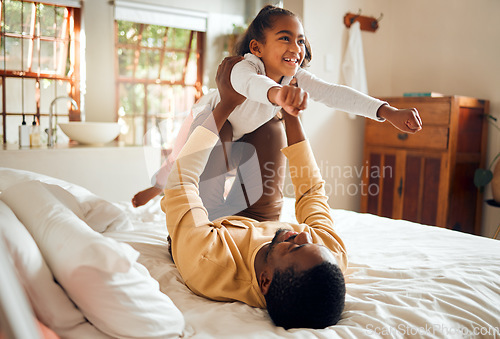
<point x="137" y="47"/>
<point x="71" y="23"/>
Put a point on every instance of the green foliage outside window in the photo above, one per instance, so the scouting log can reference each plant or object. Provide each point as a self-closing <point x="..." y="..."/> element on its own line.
<point x="158" y="78"/>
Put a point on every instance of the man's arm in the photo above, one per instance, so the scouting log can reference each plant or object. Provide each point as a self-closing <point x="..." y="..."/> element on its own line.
<point x="311" y="205"/>
<point x="311" y="202"/>
<point x="303" y="169"/>
<point x="187" y="218"/>
<point x="229" y="97"/>
<point x="293" y="129"/>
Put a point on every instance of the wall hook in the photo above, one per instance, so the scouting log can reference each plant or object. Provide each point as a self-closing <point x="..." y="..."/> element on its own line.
<point x="376" y="21"/>
<point x="356" y="16"/>
<point x="367" y="23"/>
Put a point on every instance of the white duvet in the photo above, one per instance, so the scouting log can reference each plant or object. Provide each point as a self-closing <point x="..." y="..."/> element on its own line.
<point x="404" y="280"/>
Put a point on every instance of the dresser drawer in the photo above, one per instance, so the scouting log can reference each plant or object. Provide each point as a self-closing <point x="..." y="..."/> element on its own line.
<point x="433" y="169"/>
<point x="384" y="134"/>
<point x="433" y="111"/>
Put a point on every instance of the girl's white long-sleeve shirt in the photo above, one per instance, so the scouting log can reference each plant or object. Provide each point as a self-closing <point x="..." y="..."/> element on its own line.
<point x="248" y="78"/>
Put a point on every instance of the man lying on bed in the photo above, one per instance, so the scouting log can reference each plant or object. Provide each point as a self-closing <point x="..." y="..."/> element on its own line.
<point x="295" y="270"/>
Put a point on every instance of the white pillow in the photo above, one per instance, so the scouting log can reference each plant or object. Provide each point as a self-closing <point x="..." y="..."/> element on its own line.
<point x="126" y="304"/>
<point x="98" y="213"/>
<point x="52" y="224"/>
<point x="101" y="275"/>
<point x="48" y="300"/>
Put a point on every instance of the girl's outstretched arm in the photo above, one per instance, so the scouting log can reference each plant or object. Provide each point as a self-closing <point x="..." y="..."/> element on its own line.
<point x="352" y="101"/>
<point x="406" y="120"/>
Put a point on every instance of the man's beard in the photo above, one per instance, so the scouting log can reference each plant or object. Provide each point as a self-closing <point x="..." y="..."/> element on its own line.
<point x="275" y="241"/>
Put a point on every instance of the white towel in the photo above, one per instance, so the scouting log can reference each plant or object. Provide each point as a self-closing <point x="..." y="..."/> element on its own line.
<point x="353" y="66"/>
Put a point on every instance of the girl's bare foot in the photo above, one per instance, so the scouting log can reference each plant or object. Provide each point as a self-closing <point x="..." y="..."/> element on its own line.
<point x="142" y="197"/>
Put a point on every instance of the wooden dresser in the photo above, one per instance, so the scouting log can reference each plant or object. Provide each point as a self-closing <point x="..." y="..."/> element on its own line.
<point x="427" y="177"/>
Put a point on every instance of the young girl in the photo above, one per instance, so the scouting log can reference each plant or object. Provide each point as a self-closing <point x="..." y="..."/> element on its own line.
<point x="275" y="51"/>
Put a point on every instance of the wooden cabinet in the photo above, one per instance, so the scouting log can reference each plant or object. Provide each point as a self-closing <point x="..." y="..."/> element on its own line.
<point x="427" y="177"/>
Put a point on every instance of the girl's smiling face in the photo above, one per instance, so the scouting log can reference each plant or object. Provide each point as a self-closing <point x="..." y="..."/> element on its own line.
<point x="284" y="48"/>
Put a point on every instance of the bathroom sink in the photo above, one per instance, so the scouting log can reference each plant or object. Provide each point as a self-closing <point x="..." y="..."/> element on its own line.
<point x="91" y="133"/>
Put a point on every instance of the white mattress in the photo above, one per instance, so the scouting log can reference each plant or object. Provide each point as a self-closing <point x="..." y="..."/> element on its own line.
<point x="404" y="279"/>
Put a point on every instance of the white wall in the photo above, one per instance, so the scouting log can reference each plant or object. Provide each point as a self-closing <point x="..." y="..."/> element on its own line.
<point x="99" y="61"/>
<point x="447" y="46"/>
<point x="113" y="173"/>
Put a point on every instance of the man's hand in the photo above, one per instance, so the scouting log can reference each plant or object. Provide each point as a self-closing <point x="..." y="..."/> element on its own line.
<point x="229" y="97"/>
<point x="406" y="120"/>
<point x="291" y="98"/>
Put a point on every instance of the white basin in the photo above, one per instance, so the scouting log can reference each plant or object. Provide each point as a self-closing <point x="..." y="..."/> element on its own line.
<point x="91" y="133"/>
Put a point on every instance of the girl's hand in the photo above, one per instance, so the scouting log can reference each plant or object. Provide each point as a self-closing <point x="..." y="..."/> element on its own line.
<point x="291" y="98"/>
<point x="406" y="120"/>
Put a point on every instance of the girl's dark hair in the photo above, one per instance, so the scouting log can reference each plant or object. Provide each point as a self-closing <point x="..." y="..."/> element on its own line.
<point x="263" y="21"/>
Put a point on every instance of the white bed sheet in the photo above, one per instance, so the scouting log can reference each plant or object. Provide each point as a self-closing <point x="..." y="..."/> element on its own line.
<point x="404" y="280"/>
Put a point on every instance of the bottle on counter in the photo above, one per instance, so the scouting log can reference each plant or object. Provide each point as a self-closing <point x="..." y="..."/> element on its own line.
<point x="35" y="135"/>
<point x="24" y="134"/>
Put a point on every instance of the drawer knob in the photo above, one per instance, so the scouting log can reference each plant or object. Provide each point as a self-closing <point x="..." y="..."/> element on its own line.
<point x="402" y="136"/>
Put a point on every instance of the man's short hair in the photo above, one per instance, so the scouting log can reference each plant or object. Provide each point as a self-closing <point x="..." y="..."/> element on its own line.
<point x="310" y="299"/>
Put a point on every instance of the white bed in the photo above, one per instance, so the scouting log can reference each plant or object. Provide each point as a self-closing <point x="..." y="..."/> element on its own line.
<point x="404" y="279"/>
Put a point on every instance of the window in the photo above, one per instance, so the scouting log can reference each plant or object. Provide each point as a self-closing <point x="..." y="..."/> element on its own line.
<point x="39" y="61"/>
<point x="159" y="78"/>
